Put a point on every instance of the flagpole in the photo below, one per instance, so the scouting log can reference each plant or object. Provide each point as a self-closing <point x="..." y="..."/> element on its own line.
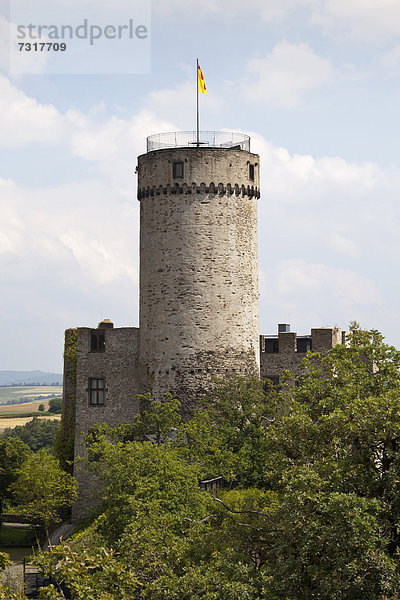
<point x="197" y="104"/>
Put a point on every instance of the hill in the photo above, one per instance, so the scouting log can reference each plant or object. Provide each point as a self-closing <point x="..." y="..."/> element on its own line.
<point x="30" y="378"/>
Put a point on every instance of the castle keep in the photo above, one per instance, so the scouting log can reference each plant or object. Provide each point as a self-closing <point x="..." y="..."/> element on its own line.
<point x="199" y="313"/>
<point x="198" y="267"/>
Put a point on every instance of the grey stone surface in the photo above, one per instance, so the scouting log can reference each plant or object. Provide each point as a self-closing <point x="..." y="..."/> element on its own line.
<point x="198" y="270"/>
<point x="323" y="339"/>
<point x="118" y="365"/>
<point x="225" y="169"/>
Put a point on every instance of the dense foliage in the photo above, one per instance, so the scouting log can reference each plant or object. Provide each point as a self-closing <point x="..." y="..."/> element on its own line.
<point x="55" y="405"/>
<point x="13" y="452"/>
<point x="42" y="489"/>
<point x="37" y="434"/>
<point x="311" y="506"/>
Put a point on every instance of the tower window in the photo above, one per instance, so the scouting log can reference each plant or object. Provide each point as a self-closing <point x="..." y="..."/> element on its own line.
<point x="251" y="172"/>
<point x="177" y="170"/>
<point x="96" y="392"/>
<point x="97" y="341"/>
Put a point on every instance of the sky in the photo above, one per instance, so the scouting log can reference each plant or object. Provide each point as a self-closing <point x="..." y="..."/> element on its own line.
<point x="315" y="83"/>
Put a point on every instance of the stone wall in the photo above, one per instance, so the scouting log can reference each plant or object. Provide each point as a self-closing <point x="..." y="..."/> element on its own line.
<point x="118" y="366"/>
<point x="322" y="339"/>
<point x="202" y="167"/>
<point x="198" y="269"/>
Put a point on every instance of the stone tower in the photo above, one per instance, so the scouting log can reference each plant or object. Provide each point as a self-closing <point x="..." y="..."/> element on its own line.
<point x="198" y="297"/>
<point x="199" y="314"/>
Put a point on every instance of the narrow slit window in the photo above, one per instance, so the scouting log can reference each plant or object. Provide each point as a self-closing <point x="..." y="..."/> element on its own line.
<point x="251" y="172"/>
<point x="177" y="170"/>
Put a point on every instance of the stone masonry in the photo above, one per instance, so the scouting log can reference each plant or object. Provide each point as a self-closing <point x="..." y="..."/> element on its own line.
<point x="286" y="350"/>
<point x="116" y="363"/>
<point x="198" y="268"/>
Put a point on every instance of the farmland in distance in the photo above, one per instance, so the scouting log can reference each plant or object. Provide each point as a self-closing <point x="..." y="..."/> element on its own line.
<point x="12" y="415"/>
<point x="29" y="393"/>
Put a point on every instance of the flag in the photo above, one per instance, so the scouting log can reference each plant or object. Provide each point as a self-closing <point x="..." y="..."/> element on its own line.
<point x="202" y="84"/>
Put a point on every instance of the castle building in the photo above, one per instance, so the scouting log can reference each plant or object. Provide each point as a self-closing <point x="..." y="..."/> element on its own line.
<point x="199" y="301"/>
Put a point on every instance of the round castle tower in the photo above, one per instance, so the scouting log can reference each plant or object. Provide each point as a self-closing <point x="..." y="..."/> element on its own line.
<point x="198" y="262"/>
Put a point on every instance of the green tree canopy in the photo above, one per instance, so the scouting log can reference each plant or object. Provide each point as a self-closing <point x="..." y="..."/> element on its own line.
<point x="311" y="508"/>
<point x="42" y="489"/>
<point x="55" y="405"/>
<point x="37" y="433"/>
<point x="12" y="454"/>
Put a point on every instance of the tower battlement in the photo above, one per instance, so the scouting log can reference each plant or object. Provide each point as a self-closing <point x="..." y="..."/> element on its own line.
<point x="212" y="190"/>
<point x="287" y="349"/>
<point x="198" y="171"/>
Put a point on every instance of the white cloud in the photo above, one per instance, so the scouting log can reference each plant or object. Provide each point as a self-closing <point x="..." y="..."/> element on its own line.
<point x="392" y="59"/>
<point x="328" y="238"/>
<point x="343" y="244"/>
<point x="369" y="20"/>
<point x="114" y="144"/>
<point x="314" y="294"/>
<point x="12" y="224"/>
<point x="178" y="103"/>
<point x="302" y="179"/>
<point x="286" y="75"/>
<point x="23" y="120"/>
<point x="83" y="224"/>
<point x="268" y="10"/>
<point x="68" y="257"/>
<point x="295" y="277"/>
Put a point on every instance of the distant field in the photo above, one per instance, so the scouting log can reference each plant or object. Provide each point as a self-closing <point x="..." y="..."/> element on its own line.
<point x="15" y="409"/>
<point x="30" y="394"/>
<point x="15" y="421"/>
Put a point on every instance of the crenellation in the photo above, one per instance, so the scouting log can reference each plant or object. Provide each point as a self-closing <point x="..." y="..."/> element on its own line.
<point x="287" y="350"/>
<point x="325" y="338"/>
<point x="212" y="191"/>
<point x="287" y="342"/>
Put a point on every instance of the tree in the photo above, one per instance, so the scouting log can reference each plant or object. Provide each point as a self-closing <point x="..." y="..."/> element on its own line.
<point x="42" y="489"/>
<point x="37" y="433"/>
<point x="227" y="435"/>
<point x="313" y="510"/>
<point x="12" y="454"/>
<point x="55" y="405"/>
<point x="158" y="419"/>
<point x="332" y="456"/>
<point x="88" y="574"/>
<point x="149" y="495"/>
<point x="41" y="407"/>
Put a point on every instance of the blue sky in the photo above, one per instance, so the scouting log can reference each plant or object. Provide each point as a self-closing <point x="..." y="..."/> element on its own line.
<point x="316" y="85"/>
